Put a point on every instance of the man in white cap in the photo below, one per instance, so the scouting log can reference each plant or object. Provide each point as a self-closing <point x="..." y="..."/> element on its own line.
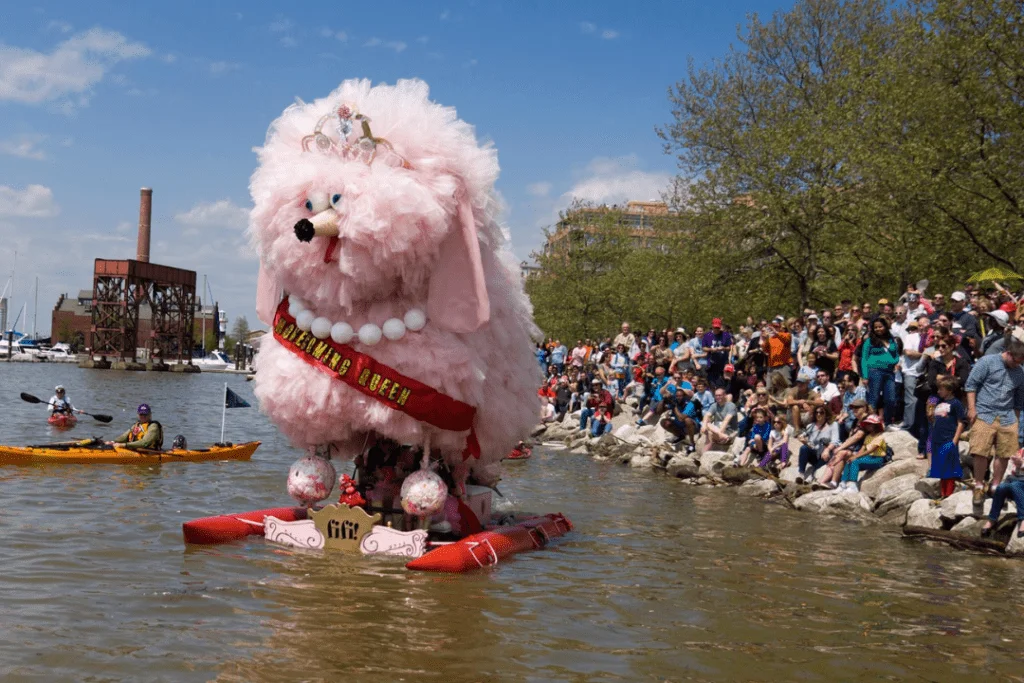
<point x="997" y="322"/>
<point x="60" y="404"/>
<point x="957" y="302"/>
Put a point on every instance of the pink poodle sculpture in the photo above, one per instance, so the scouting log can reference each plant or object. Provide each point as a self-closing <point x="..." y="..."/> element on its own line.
<point x="396" y="310"/>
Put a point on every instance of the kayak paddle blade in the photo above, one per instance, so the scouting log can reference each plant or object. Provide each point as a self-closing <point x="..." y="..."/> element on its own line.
<point x="102" y="418"/>
<point x="30" y="398"/>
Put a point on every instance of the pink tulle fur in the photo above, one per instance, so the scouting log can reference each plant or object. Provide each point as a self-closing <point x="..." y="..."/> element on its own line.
<point x="423" y="237"/>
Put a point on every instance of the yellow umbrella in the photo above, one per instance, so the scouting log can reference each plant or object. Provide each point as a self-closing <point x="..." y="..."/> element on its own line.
<point x="995" y="275"/>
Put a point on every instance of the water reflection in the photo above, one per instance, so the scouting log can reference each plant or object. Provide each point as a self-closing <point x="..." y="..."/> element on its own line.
<point x="661" y="581"/>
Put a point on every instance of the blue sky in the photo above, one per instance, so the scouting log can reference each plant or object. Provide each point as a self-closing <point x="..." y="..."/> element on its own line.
<point x="99" y="99"/>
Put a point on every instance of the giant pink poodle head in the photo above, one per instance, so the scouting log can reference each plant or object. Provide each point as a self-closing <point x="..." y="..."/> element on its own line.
<point x="375" y="212"/>
<point x="369" y="193"/>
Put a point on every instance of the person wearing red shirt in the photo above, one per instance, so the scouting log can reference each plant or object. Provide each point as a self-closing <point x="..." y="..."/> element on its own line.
<point x="599" y="408"/>
<point x="776" y="343"/>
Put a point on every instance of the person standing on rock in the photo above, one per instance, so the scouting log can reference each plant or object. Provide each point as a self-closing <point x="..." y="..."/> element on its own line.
<point x="995" y="397"/>
<point x="776" y="344"/>
<point x="949" y="417"/>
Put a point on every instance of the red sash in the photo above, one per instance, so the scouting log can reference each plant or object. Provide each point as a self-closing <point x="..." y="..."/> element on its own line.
<point x="377" y="380"/>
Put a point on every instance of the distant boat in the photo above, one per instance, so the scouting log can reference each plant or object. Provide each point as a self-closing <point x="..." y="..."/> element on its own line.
<point x="215" y="360"/>
<point x="60" y="353"/>
<point x="23" y="349"/>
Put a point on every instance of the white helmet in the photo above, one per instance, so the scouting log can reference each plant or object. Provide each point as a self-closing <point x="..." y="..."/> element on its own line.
<point x="60" y="387"/>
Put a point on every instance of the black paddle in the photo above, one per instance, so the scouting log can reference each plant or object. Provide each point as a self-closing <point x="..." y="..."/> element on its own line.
<point x="29" y="398"/>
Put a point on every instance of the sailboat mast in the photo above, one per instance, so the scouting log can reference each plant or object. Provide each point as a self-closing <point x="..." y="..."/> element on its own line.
<point x="35" y="310"/>
<point x="202" y="299"/>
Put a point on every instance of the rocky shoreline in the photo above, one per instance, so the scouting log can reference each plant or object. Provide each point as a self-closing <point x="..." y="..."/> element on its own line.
<point x="899" y="494"/>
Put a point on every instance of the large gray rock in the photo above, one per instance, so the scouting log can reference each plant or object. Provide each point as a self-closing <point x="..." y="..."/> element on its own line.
<point x="683" y="467"/>
<point x="758" y="488"/>
<point x="833" y="502"/>
<point x="924" y="513"/>
<point x="874" y="481"/>
<point x="969" y="526"/>
<point x="900" y="501"/>
<point x="641" y="461"/>
<point x="959" y="505"/>
<point x="790" y="473"/>
<point x="929" y="487"/>
<point x="539" y="429"/>
<point x="738" y="444"/>
<point x="624" y="432"/>
<point x="897" y="486"/>
<point x="646" y="430"/>
<point x="1016" y="545"/>
<point x="903" y="444"/>
<point x="713" y="462"/>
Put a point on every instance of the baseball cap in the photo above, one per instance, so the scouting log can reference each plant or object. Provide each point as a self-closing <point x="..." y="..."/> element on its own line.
<point x="883" y="302"/>
<point x="595" y="381"/>
<point x="1008" y="307"/>
<point x="778" y="319"/>
<point x="958" y="296"/>
<point x="59" y="387"/>
<point x="911" y="324"/>
<point x="957" y="326"/>
<point x="717" y="322"/>
<point x="812" y="316"/>
<point x="144" y="409"/>
<point x="871" y="420"/>
<point x="858" y="403"/>
<point x="681" y="329"/>
<point x="1000" y="317"/>
<point x="729" y="368"/>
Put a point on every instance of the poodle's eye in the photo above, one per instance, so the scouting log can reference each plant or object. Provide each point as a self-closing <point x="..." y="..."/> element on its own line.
<point x="316" y="202"/>
<point x="335" y="200"/>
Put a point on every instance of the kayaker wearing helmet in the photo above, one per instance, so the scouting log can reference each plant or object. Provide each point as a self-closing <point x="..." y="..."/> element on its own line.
<point x="144" y="434"/>
<point x="60" y="404"/>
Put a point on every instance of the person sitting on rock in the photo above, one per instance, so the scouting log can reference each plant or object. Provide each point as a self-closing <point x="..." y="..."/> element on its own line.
<point x="818" y="441"/>
<point x="719" y="424"/>
<point x="873" y="454"/>
<point x="948" y="420"/>
<point x="849" y="447"/>
<point x="683" y="418"/>
<point x="599" y="407"/>
<point x="778" y="445"/>
<point x="757" y="439"/>
<point x="1012" y="485"/>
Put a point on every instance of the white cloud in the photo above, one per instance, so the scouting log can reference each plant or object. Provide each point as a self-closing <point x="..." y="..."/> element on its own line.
<point x="445" y="15"/>
<point x="61" y="26"/>
<point x="35" y="201"/>
<point x="221" y="68"/>
<point x="288" y="41"/>
<point x="423" y="40"/>
<point x="169" y="58"/>
<point x="609" y="34"/>
<point x="396" y="45"/>
<point x="24" y="147"/>
<point x="616" y="180"/>
<point x="587" y="27"/>
<point x="327" y="32"/>
<point x="69" y="72"/>
<point x="471" y="63"/>
<point x="281" y="26"/>
<point x="540" y="189"/>
<point x="220" y="214"/>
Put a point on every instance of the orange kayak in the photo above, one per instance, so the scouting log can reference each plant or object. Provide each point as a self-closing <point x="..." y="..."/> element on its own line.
<point x="89" y="453"/>
<point x="488" y="547"/>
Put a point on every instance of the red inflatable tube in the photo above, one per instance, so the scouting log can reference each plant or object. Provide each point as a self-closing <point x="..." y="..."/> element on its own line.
<point x="225" y="528"/>
<point x="489" y="547"/>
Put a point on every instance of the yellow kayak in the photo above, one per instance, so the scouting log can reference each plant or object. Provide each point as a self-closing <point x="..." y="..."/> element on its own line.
<point x="87" y="454"/>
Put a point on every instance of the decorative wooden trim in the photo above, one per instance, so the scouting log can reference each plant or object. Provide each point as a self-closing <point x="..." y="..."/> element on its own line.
<point x="384" y="540"/>
<point x="300" y="534"/>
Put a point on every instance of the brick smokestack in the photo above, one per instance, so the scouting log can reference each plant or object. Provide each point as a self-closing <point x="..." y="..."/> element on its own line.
<point x="145" y="216"/>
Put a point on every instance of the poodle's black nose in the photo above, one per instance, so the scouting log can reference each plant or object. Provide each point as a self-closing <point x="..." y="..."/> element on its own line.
<point x="304" y="230"/>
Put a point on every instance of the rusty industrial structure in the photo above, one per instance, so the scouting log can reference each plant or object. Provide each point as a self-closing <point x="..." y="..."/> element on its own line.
<point x="122" y="287"/>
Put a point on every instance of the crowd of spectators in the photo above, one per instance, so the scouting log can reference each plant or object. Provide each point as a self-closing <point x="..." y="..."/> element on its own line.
<point x="838" y="379"/>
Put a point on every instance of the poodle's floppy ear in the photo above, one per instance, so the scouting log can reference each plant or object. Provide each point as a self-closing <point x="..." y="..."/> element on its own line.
<point x="268" y="296"/>
<point x="457" y="296"/>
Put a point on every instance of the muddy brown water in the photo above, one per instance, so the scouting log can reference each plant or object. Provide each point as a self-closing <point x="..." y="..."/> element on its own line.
<point x="660" y="581"/>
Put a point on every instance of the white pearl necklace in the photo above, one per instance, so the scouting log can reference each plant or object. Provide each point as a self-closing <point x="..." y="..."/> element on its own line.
<point x="341" y="332"/>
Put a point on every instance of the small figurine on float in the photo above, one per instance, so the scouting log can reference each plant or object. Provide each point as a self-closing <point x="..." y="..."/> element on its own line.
<point x="400" y="332"/>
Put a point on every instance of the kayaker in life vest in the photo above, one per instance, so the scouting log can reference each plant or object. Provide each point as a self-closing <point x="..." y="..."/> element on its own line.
<point x="144" y="434"/>
<point x="59" y="403"/>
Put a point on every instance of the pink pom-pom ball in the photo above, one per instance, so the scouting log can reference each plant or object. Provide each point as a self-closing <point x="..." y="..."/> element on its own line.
<point x="311" y="479"/>
<point x="423" y="493"/>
